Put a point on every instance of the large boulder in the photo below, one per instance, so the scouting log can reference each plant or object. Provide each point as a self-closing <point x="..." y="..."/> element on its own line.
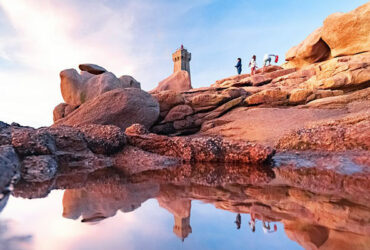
<point x="120" y="107"/>
<point x="341" y="34"/>
<point x="78" y="88"/>
<point x="129" y="82"/>
<point x="348" y="33"/>
<point x="178" y="81"/>
<point x="312" y="49"/>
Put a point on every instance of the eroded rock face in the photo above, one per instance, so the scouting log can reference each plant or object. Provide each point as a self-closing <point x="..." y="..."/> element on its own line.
<point x="341" y="34"/>
<point x="77" y="89"/>
<point x="103" y="139"/>
<point x="40" y="154"/>
<point x="358" y="99"/>
<point x="348" y="33"/>
<point x="178" y="81"/>
<point x="341" y="73"/>
<point x="201" y="149"/>
<point x="311" y="50"/>
<point x="120" y="107"/>
<point x="29" y="141"/>
<point x="168" y="99"/>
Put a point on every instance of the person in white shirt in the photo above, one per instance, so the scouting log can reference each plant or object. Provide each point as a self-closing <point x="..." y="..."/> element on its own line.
<point x="253" y="65"/>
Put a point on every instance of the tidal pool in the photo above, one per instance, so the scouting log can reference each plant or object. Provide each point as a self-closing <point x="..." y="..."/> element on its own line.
<point x="191" y="207"/>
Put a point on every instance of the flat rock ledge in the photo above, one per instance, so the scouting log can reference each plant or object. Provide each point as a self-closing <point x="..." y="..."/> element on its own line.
<point x="199" y="149"/>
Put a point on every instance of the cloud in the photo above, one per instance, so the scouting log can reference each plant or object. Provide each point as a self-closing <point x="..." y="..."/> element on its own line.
<point x="44" y="37"/>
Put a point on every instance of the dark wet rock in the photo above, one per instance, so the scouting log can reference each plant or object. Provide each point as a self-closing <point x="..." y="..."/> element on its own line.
<point x="164" y="129"/>
<point x="28" y="141"/>
<point x="103" y="139"/>
<point x="68" y="138"/>
<point x="92" y="68"/>
<point x="9" y="166"/>
<point x="5" y="134"/>
<point x="39" y="168"/>
<point x="3" y="200"/>
<point x="47" y="152"/>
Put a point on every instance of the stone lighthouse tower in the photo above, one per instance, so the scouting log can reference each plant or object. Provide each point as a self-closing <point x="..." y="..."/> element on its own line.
<point x="181" y="59"/>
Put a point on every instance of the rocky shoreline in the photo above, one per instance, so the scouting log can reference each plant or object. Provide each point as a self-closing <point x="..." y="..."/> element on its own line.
<point x="315" y="104"/>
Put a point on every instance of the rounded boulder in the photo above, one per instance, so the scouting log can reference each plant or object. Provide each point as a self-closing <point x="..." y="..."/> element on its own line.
<point x="120" y="107"/>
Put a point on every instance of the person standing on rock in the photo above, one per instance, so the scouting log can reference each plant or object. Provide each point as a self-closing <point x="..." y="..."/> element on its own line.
<point x="238" y="66"/>
<point x="267" y="59"/>
<point x="253" y="65"/>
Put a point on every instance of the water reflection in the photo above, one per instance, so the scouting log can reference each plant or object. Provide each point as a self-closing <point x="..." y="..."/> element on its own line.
<point x="11" y="240"/>
<point x="314" y="217"/>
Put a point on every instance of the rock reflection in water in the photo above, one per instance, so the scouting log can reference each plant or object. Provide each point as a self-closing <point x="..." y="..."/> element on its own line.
<point x="9" y="240"/>
<point x="315" y="216"/>
<point x="101" y="201"/>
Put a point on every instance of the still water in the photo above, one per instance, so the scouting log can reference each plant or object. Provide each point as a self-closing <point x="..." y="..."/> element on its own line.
<point x="39" y="224"/>
<point x="307" y="206"/>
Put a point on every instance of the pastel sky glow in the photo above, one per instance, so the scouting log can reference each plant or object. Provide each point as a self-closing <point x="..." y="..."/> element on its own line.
<point x="148" y="227"/>
<point x="39" y="38"/>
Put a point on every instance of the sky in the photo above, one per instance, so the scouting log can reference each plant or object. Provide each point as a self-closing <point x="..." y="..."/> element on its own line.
<point x="39" y="38"/>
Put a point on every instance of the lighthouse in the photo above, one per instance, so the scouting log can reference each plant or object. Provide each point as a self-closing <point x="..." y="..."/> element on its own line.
<point x="181" y="60"/>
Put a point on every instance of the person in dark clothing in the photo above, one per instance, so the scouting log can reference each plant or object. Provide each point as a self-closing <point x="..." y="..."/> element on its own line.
<point x="238" y="221"/>
<point x="238" y="66"/>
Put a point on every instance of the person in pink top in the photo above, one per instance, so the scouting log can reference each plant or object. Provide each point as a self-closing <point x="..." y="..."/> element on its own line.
<point x="253" y="65"/>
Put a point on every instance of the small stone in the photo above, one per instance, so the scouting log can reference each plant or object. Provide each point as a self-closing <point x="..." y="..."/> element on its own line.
<point x="92" y="68"/>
